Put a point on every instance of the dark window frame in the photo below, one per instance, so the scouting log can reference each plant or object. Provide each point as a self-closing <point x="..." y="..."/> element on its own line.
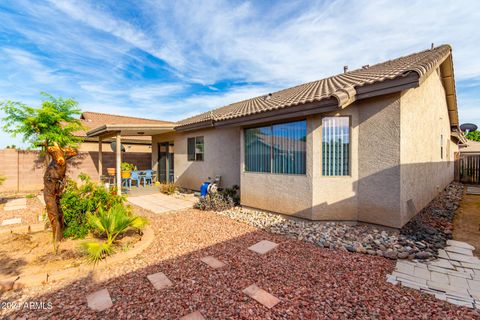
<point x="348" y="172"/>
<point x="193" y="144"/>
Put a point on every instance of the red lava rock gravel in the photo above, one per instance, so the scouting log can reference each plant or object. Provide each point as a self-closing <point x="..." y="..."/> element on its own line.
<point x="311" y="282"/>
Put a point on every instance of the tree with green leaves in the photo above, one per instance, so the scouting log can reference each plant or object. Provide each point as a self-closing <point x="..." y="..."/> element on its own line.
<point x="473" y="135"/>
<point x="50" y="127"/>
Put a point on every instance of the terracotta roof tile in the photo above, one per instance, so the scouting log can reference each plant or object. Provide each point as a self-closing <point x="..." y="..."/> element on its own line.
<point x="92" y="120"/>
<point x="341" y="86"/>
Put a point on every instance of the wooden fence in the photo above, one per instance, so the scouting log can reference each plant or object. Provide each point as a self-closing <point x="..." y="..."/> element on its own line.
<point x="468" y="168"/>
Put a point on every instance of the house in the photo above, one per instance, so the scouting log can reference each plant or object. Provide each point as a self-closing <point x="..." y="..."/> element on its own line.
<point x="371" y="145"/>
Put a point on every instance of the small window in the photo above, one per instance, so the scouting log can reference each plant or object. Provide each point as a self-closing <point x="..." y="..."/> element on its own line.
<point x="195" y="148"/>
<point x="336" y="146"/>
<point x="441" y="146"/>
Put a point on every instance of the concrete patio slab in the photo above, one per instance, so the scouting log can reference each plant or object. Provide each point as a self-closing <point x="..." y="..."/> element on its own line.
<point x="160" y="203"/>
<point x="261" y="296"/>
<point x="8" y="222"/>
<point x="99" y="300"/>
<point x="212" y="262"/>
<point x="159" y="280"/>
<point x="263" y="246"/>
<point x="196" y="315"/>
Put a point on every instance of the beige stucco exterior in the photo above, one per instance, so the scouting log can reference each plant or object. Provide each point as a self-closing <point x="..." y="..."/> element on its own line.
<point x="396" y="167"/>
<point x="221" y="157"/>
<point x="92" y="146"/>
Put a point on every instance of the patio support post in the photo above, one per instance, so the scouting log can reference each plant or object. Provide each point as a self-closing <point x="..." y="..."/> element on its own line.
<point x="100" y="158"/>
<point x="118" y="156"/>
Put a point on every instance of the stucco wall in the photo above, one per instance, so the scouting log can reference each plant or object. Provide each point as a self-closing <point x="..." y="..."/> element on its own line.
<point x="424" y="119"/>
<point x="379" y="160"/>
<point x="283" y="193"/>
<point x="221" y="157"/>
<point x="88" y="146"/>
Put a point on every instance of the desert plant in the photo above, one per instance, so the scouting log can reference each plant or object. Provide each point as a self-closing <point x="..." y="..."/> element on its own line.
<point x="80" y="199"/>
<point x="2" y="180"/>
<point x="110" y="224"/>
<point x="51" y="127"/>
<point x="215" y="202"/>
<point x="168" y="188"/>
<point x="232" y="193"/>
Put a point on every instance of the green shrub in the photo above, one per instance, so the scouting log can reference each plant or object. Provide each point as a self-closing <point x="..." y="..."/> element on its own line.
<point x="80" y="199"/>
<point x="233" y="193"/>
<point x="125" y="166"/>
<point x="109" y="224"/>
<point x="215" y="202"/>
<point x="168" y="188"/>
<point x="30" y="196"/>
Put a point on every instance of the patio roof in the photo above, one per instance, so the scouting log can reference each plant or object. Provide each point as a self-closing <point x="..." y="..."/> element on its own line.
<point x="109" y="130"/>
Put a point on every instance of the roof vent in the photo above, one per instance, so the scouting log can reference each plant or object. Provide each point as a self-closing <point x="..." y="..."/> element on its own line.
<point x="345" y="69"/>
<point x="366" y="66"/>
<point x="268" y="97"/>
<point x="433" y="46"/>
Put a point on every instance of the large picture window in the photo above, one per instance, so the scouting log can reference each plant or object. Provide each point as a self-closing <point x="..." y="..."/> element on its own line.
<point x="336" y="146"/>
<point x="195" y="149"/>
<point x="279" y="148"/>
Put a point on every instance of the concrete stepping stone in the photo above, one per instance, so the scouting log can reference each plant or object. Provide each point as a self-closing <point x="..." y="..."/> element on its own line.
<point x="196" y="315"/>
<point x="212" y="262"/>
<point x="99" y="300"/>
<point x="261" y="296"/>
<point x="15" y="204"/>
<point x="263" y="246"/>
<point x="159" y="280"/>
<point x="11" y="221"/>
<point x="460" y="244"/>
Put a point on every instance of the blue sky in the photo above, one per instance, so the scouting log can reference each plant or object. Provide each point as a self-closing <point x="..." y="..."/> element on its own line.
<point x="172" y="59"/>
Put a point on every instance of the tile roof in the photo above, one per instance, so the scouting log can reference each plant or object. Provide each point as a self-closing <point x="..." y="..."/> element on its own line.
<point x="342" y="87"/>
<point x="92" y="120"/>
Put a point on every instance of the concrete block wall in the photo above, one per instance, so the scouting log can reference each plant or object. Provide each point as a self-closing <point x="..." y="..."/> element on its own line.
<point x="24" y="170"/>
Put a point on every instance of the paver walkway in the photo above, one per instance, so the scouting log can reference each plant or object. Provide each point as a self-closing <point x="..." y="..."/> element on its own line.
<point x="99" y="300"/>
<point x="15" y="204"/>
<point x="454" y="276"/>
<point x="160" y="203"/>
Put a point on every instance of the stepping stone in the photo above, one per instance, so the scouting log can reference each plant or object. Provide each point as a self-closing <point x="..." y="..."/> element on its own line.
<point x="439" y="277"/>
<point x="41" y="199"/>
<point x="422" y="273"/>
<point x="16" y="204"/>
<point x="403" y="267"/>
<point x="213" y="262"/>
<point x="462" y="257"/>
<point x="460" y="244"/>
<point x="159" y="280"/>
<point x="261" y="296"/>
<point x="8" y="222"/>
<point x="464" y="251"/>
<point x="99" y="300"/>
<point x="263" y="246"/>
<point x="458" y="282"/>
<point x="196" y="315"/>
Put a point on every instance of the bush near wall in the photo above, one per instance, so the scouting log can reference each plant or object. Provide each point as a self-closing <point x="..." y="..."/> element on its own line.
<point x="79" y="199"/>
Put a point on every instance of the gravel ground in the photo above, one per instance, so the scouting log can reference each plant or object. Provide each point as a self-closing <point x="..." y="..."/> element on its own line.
<point x="311" y="282"/>
<point x="419" y="239"/>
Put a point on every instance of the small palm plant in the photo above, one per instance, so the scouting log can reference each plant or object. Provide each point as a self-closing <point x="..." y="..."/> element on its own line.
<point x="109" y="223"/>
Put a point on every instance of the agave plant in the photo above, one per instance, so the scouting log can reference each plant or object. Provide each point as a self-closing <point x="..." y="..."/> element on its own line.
<point x="110" y="223"/>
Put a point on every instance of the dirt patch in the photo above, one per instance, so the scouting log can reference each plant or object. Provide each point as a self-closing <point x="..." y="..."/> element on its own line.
<point x="30" y="254"/>
<point x="466" y="225"/>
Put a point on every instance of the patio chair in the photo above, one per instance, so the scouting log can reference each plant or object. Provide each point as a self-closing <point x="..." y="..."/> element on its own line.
<point x="135" y="177"/>
<point x="147" y="176"/>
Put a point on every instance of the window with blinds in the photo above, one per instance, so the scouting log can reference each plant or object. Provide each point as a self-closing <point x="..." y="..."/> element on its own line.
<point x="279" y="148"/>
<point x="336" y="146"/>
<point x="195" y="149"/>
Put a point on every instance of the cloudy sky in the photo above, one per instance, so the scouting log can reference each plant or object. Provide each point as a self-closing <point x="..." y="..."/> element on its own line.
<point x="172" y="59"/>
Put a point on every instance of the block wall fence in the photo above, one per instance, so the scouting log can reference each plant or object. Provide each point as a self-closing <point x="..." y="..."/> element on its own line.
<point x="24" y="169"/>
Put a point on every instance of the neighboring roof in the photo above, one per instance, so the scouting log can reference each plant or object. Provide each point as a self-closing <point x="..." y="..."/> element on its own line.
<point x="343" y="88"/>
<point x="471" y="146"/>
<point x="92" y="120"/>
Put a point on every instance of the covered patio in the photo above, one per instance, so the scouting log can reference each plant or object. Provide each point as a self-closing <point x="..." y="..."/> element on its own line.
<point x="117" y="131"/>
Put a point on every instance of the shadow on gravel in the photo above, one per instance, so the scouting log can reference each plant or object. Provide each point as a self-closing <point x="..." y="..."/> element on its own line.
<point x="311" y="282"/>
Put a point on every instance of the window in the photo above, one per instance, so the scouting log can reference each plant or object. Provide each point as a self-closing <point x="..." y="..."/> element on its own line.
<point x="195" y="149"/>
<point x="336" y="146"/>
<point x="441" y="146"/>
<point x="279" y="148"/>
